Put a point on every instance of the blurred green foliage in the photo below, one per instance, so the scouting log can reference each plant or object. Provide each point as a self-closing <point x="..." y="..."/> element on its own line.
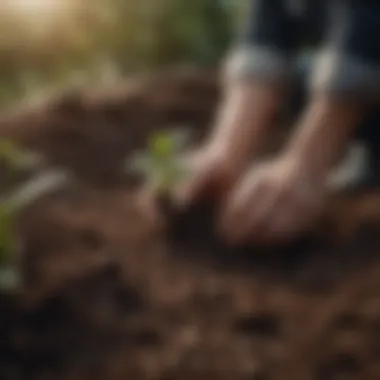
<point x="23" y="181"/>
<point x="160" y="165"/>
<point x="112" y="37"/>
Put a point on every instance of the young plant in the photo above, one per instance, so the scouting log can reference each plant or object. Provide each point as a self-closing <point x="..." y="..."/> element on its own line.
<point x="161" y="164"/>
<point x="13" y="198"/>
<point x="15" y="157"/>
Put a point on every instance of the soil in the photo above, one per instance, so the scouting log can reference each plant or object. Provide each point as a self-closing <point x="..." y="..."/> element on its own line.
<point x="108" y="297"/>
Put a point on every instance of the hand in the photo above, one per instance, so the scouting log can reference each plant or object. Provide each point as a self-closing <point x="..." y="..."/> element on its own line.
<point x="212" y="173"/>
<point x="273" y="203"/>
<point x="243" y="121"/>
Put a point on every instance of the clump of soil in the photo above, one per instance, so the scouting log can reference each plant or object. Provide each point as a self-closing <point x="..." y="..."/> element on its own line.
<point x="106" y="297"/>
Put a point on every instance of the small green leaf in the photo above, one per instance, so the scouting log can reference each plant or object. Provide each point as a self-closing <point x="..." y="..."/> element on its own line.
<point x="180" y="138"/>
<point x="161" y="145"/>
<point x="162" y="164"/>
<point x="7" y="238"/>
<point x="15" y="161"/>
<point x="35" y="188"/>
<point x="17" y="157"/>
<point x="9" y="278"/>
<point x="141" y="163"/>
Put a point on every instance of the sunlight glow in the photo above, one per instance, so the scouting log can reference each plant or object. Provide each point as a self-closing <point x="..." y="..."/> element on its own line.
<point x="38" y="19"/>
<point x="36" y="6"/>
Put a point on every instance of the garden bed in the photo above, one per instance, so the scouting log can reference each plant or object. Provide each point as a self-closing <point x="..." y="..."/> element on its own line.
<point x="108" y="297"/>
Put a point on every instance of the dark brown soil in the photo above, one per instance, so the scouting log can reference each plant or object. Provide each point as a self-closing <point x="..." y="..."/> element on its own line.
<point x="106" y="297"/>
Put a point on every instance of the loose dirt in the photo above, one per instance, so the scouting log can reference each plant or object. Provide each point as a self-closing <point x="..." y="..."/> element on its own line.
<point x="107" y="297"/>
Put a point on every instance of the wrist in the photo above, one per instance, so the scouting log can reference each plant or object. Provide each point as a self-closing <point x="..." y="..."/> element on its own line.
<point x="222" y="151"/>
<point x="322" y="135"/>
<point x="245" y="117"/>
<point x="305" y="167"/>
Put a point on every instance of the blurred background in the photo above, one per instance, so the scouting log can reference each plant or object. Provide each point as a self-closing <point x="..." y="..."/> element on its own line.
<point x="47" y="43"/>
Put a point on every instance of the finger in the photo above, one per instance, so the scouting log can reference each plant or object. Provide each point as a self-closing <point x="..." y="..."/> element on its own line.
<point x="261" y="216"/>
<point x="290" y="221"/>
<point x="271" y="214"/>
<point x="298" y="212"/>
<point x="232" y="212"/>
<point x="236" y="220"/>
<point x="279" y="227"/>
<point x="147" y="205"/>
<point x="282" y="217"/>
<point x="191" y="189"/>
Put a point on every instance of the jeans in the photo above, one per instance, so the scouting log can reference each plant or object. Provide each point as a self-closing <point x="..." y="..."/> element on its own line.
<point x="368" y="132"/>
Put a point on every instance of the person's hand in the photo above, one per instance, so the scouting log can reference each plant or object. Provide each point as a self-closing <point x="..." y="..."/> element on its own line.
<point x="274" y="203"/>
<point x="211" y="173"/>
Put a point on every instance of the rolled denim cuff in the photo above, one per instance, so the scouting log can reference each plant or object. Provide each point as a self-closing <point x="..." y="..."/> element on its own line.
<point x="338" y="75"/>
<point x="262" y="64"/>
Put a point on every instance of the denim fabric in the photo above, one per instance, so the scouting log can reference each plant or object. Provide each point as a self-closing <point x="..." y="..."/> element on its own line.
<point x="347" y="33"/>
<point x="368" y="130"/>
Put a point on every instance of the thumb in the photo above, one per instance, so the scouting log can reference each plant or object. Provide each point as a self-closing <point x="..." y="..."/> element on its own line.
<point x="192" y="189"/>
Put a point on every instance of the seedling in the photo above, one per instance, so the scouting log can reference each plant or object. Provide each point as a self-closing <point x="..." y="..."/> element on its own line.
<point x="161" y="164"/>
<point x="163" y="167"/>
<point x="13" y="199"/>
<point x="15" y="157"/>
<point x="13" y="161"/>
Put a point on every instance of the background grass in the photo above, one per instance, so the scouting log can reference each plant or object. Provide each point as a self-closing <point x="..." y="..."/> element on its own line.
<point x="110" y="38"/>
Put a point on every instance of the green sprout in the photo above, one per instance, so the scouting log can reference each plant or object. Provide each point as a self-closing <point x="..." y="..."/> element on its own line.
<point x="15" y="157"/>
<point x="9" y="274"/>
<point x="14" y="197"/>
<point x="162" y="164"/>
<point x="14" y="161"/>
